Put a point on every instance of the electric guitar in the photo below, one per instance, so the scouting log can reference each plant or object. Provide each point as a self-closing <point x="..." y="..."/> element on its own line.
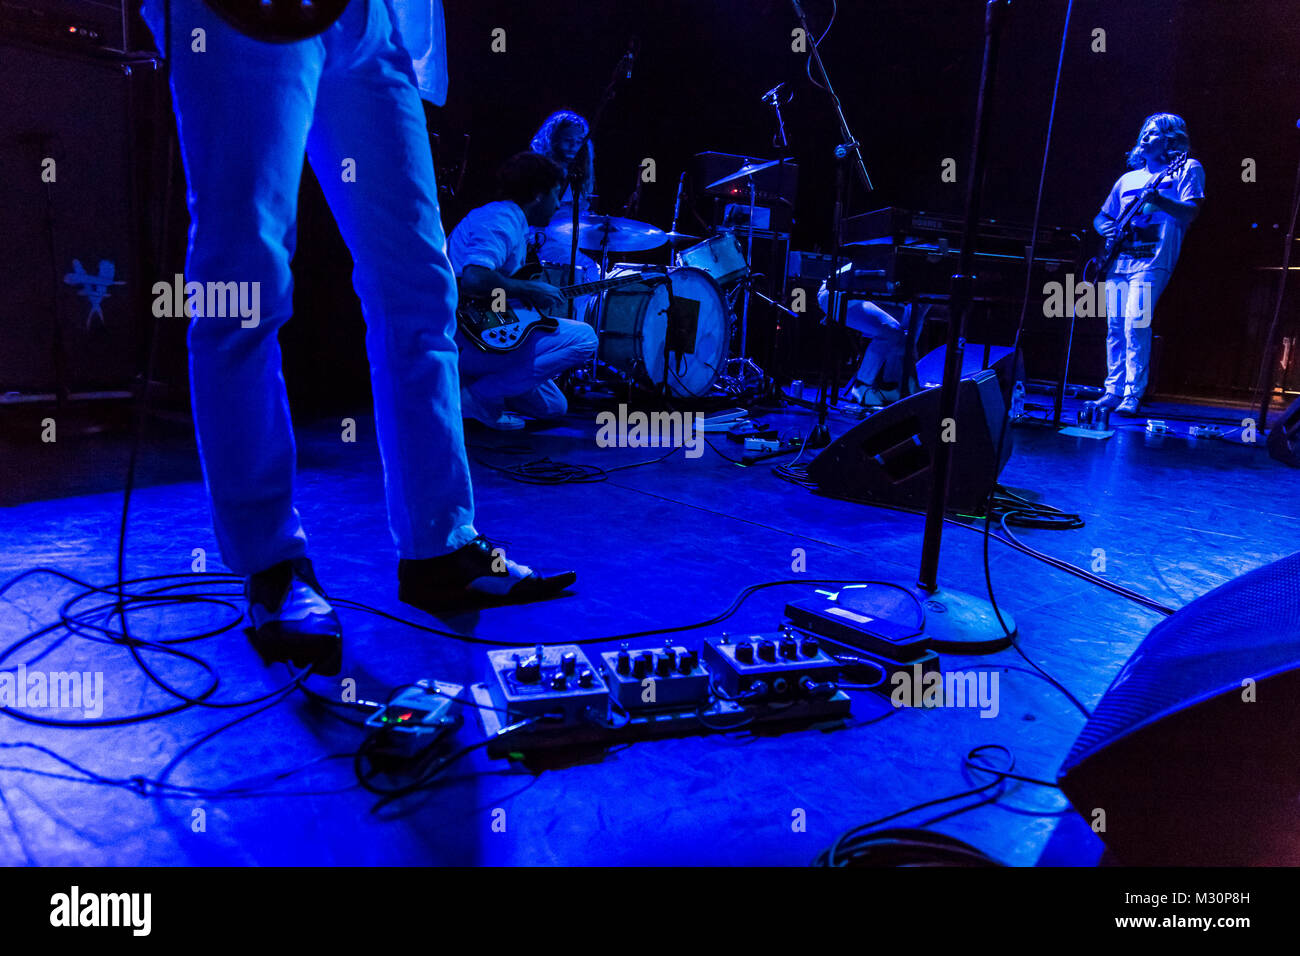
<point x="1096" y="268"/>
<point x="503" y="330"/>
<point x="279" y="21"/>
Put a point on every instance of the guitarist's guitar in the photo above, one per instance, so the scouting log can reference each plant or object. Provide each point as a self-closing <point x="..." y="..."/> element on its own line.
<point x="506" y="329"/>
<point x="1096" y="268"/>
<point x="279" y="21"/>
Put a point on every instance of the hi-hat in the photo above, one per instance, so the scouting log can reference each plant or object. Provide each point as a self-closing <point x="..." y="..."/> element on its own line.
<point x="609" y="232"/>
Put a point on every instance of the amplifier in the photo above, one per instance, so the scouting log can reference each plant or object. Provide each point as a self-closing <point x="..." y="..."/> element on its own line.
<point x="113" y="26"/>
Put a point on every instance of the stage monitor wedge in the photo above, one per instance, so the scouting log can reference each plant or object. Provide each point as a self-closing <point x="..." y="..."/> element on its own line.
<point x="1191" y="758"/>
<point x="887" y="458"/>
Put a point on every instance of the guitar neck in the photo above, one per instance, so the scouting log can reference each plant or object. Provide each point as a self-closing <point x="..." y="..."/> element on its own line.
<point x="586" y="288"/>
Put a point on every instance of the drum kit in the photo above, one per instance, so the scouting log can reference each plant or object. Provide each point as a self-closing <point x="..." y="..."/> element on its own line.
<point x="672" y="333"/>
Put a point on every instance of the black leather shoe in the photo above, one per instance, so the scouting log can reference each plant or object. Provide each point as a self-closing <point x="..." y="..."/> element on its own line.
<point x="292" y="620"/>
<point x="476" y="576"/>
<point x="1109" y="400"/>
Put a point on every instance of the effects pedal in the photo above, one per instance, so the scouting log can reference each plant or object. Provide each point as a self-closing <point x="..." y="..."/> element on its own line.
<point x="766" y="667"/>
<point x="663" y="678"/>
<point x="557" y="682"/>
<point x="1156" y="427"/>
<point x="416" y="717"/>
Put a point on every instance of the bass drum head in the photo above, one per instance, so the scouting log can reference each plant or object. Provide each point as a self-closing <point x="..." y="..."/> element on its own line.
<point x="636" y="328"/>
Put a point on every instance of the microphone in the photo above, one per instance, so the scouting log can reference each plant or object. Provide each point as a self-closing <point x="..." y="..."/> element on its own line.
<point x="677" y="206"/>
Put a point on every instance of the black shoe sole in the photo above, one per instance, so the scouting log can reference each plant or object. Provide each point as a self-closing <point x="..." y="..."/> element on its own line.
<point x="460" y="600"/>
<point x="322" y="652"/>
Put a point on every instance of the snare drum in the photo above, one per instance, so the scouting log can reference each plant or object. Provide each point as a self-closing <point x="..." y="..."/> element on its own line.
<point x="635" y="323"/>
<point x="721" y="257"/>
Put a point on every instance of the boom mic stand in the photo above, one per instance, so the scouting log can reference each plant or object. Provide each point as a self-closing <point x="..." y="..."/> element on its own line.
<point x="848" y="150"/>
<point x="623" y="70"/>
<point x="1265" y="385"/>
<point x="955" y="621"/>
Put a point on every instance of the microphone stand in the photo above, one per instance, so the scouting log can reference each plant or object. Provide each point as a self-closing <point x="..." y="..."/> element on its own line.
<point x="1264" y="387"/>
<point x="848" y="150"/>
<point x="954" y="621"/>
<point x="579" y="162"/>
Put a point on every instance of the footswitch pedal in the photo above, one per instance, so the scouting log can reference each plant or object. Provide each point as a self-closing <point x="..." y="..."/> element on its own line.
<point x="556" y="681"/>
<point x="782" y="666"/>
<point x="416" y="716"/>
<point x="663" y="678"/>
<point x="850" y="618"/>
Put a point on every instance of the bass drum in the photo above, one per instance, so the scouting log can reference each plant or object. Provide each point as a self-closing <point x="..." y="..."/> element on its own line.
<point x="635" y="329"/>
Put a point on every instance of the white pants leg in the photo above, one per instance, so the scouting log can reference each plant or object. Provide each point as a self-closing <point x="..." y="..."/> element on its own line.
<point x="1130" y="307"/>
<point x="520" y="379"/>
<point x="246" y="113"/>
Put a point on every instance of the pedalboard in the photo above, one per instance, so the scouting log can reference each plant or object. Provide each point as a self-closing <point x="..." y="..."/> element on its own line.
<point x="557" y="683"/>
<point x="650" y="679"/>
<point x="771" y="667"/>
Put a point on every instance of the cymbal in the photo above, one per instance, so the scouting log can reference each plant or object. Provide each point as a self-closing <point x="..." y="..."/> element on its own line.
<point x="681" y="239"/>
<point x="609" y="232"/>
<point x="746" y="170"/>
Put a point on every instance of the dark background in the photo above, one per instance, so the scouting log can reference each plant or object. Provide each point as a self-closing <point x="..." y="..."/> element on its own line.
<point x="907" y="72"/>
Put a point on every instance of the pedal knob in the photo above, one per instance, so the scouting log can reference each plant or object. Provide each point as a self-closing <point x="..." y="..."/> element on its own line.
<point x="789" y="647"/>
<point x="810" y="647"/>
<point x="745" y="653"/>
<point x="527" y="669"/>
<point x="558" y="681"/>
<point x="624" y="663"/>
<point x="664" y="665"/>
<point x="569" y="663"/>
<point x="643" y="663"/>
<point x="767" y="651"/>
<point x="585" y="677"/>
<point x="671" y="653"/>
<point x="687" y="661"/>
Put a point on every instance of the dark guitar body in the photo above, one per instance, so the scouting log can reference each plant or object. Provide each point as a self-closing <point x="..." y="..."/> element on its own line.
<point x="279" y="21"/>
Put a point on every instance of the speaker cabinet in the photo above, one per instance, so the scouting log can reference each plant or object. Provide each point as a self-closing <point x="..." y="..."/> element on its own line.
<point x="887" y="458"/>
<point x="1190" y="757"/>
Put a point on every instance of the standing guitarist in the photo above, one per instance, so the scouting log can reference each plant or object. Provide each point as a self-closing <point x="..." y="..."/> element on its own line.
<point x="1145" y="243"/>
<point x="487" y="249"/>
<point x="346" y="93"/>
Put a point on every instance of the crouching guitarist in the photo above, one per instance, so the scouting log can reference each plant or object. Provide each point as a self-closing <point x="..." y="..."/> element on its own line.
<point x="487" y="251"/>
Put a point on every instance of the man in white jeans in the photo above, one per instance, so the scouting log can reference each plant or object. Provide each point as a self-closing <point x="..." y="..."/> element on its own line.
<point x="1149" y="252"/>
<point x="487" y="249"/>
<point x="246" y="113"/>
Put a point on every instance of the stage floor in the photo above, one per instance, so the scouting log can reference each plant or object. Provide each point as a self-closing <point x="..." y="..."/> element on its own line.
<point x="666" y="544"/>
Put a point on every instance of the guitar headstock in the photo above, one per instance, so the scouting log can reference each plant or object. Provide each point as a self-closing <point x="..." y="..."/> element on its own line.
<point x="279" y="21"/>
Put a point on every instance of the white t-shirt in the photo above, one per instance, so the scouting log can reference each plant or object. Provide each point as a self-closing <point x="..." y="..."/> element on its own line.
<point x="494" y="236"/>
<point x="1155" y="238"/>
<point x="423" y="31"/>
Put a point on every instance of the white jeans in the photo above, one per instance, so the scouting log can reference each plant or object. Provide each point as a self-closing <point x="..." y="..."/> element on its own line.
<point x="1130" y="306"/>
<point x="882" y="363"/>
<point x="520" y="380"/>
<point x="246" y="112"/>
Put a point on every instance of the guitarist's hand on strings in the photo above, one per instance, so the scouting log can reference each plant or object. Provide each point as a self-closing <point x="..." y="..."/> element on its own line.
<point x="542" y="296"/>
